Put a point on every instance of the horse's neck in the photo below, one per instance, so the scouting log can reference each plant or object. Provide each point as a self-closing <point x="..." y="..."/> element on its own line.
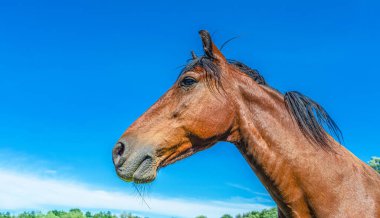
<point x="276" y="149"/>
<point x="303" y="179"/>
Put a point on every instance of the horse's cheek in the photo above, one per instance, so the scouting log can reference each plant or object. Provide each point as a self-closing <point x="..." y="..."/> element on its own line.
<point x="212" y="123"/>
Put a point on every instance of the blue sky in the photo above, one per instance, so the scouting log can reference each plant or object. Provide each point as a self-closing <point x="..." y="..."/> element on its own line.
<point x="75" y="75"/>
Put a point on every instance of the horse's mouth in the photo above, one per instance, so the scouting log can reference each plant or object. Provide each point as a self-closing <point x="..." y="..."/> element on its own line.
<point x="146" y="170"/>
<point x="142" y="166"/>
<point x="174" y="157"/>
<point x="179" y="154"/>
<point x="143" y="172"/>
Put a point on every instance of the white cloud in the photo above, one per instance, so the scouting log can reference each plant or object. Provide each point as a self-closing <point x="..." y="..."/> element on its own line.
<point x="50" y="172"/>
<point x="23" y="191"/>
<point x="238" y="186"/>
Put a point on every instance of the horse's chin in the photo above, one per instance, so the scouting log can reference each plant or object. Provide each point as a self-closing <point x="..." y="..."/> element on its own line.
<point x="139" y="179"/>
<point x="145" y="173"/>
<point x="145" y="177"/>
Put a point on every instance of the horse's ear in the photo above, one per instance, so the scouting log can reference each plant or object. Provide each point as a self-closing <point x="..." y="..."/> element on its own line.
<point x="210" y="48"/>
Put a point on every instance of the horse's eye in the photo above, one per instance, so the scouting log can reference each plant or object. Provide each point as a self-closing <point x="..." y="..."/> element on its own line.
<point x="188" y="81"/>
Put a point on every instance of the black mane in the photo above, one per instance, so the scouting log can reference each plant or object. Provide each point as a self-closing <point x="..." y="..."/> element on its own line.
<point x="308" y="114"/>
<point x="253" y="73"/>
<point x="311" y="119"/>
<point x="213" y="71"/>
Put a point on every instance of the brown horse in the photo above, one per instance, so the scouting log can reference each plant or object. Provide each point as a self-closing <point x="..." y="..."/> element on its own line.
<point x="282" y="137"/>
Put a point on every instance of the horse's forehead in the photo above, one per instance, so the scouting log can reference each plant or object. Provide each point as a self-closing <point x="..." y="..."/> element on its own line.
<point x="196" y="69"/>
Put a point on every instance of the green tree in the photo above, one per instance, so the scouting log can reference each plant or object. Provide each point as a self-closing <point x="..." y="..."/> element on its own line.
<point x="128" y="215"/>
<point x="201" y="216"/>
<point x="58" y="213"/>
<point x="107" y="214"/>
<point x="50" y="214"/>
<point x="88" y="214"/>
<point x="270" y="213"/>
<point x="266" y="213"/>
<point x="226" y="216"/>
<point x="73" y="213"/>
<point x="375" y="163"/>
<point x="31" y="214"/>
<point x="5" y="215"/>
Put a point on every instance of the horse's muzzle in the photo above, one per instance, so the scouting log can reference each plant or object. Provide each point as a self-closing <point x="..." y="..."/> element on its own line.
<point x="134" y="164"/>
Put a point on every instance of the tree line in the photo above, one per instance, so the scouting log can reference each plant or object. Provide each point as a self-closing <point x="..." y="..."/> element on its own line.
<point x="77" y="213"/>
<point x="73" y="213"/>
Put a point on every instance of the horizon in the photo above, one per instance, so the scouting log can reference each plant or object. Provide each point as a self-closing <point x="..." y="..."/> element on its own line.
<point x="75" y="75"/>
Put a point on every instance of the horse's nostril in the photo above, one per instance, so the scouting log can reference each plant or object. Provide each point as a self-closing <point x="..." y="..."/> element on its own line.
<point x="120" y="148"/>
<point x="117" y="154"/>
